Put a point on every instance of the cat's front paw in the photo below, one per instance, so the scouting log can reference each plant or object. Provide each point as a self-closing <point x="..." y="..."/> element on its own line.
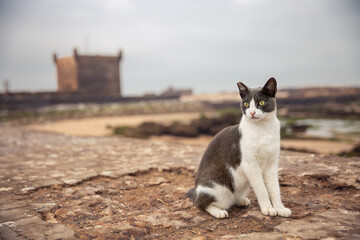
<point x="270" y="211"/>
<point x="243" y="202"/>
<point x="284" y="212"/>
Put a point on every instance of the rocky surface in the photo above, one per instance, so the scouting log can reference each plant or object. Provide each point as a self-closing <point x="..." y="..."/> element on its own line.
<point x="55" y="186"/>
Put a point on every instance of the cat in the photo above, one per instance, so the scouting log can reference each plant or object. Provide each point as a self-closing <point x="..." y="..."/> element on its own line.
<point x="243" y="156"/>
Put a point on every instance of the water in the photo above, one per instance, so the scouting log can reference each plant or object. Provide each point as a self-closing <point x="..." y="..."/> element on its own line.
<point x="330" y="128"/>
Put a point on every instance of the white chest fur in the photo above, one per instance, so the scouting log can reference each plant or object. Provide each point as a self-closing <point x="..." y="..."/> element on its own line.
<point x="261" y="140"/>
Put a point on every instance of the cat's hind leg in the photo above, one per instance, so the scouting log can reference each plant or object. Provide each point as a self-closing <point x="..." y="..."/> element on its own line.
<point x="242" y="202"/>
<point x="214" y="200"/>
<point x="202" y="200"/>
<point x="241" y="199"/>
<point x="207" y="202"/>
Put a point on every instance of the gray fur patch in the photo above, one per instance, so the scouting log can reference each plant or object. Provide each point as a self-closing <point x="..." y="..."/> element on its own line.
<point x="203" y="200"/>
<point x="223" y="152"/>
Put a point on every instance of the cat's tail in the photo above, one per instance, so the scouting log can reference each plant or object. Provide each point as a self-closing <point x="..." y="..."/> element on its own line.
<point x="191" y="194"/>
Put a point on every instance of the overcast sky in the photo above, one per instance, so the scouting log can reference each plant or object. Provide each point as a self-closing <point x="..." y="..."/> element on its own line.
<point x="206" y="45"/>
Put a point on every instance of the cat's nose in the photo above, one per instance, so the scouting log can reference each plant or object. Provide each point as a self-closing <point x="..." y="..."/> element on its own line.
<point x="252" y="113"/>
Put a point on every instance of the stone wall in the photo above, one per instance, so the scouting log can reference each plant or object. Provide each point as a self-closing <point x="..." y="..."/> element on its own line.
<point x="67" y="74"/>
<point x="98" y="74"/>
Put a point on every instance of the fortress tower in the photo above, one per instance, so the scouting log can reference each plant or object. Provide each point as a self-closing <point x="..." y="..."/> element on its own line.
<point x="89" y="74"/>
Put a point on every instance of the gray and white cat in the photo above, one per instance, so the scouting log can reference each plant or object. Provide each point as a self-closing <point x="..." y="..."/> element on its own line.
<point x="241" y="156"/>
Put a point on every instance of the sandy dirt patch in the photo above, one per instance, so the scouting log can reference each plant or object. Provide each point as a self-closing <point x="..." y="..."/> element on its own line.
<point x="213" y="97"/>
<point x="203" y="140"/>
<point x="317" y="146"/>
<point x="99" y="126"/>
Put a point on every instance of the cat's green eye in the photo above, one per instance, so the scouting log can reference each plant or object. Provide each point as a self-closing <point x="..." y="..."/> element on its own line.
<point x="246" y="104"/>
<point x="261" y="103"/>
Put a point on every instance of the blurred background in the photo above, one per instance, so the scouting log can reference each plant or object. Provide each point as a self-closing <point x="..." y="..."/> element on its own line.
<point x="167" y="70"/>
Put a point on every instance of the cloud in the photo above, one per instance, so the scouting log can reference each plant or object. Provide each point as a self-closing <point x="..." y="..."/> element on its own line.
<point x="247" y="2"/>
<point x="115" y="4"/>
<point x="207" y="45"/>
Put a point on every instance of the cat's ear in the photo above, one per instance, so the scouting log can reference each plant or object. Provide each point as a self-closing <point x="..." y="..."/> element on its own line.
<point x="243" y="89"/>
<point x="270" y="88"/>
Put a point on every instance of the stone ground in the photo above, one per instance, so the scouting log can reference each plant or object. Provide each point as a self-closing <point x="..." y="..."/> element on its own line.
<point x="55" y="186"/>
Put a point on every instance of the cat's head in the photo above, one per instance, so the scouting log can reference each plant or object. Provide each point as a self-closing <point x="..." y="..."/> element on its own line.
<point x="258" y="103"/>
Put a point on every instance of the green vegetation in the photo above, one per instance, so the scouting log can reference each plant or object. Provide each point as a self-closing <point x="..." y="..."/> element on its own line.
<point x="65" y="111"/>
<point x="203" y="125"/>
<point x="355" y="152"/>
<point x="122" y="130"/>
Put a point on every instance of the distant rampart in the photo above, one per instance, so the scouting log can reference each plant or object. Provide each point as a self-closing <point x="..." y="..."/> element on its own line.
<point x="29" y="100"/>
